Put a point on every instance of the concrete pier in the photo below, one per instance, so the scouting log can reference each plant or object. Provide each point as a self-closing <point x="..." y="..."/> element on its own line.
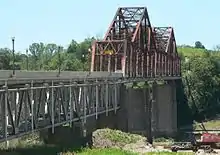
<point x="149" y="109"/>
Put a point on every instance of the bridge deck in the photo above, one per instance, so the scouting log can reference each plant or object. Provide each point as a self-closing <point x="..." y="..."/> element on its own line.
<point x="23" y="77"/>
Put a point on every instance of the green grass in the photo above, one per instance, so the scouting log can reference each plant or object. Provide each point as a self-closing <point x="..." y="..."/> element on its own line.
<point x="104" y="152"/>
<point x="170" y="153"/>
<point x="120" y="137"/>
<point x="189" y="52"/>
<point x="209" y="125"/>
<point x="163" y="141"/>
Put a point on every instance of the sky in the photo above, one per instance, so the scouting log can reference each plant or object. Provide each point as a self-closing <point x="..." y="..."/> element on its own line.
<point x="60" y="21"/>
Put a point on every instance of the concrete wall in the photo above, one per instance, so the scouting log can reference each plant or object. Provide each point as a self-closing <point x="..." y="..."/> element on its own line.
<point x="134" y="114"/>
<point x="164" y="109"/>
<point x="142" y="109"/>
<point x="137" y="113"/>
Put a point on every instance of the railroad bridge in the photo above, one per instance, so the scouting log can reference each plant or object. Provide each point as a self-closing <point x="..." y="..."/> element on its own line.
<point x="131" y="52"/>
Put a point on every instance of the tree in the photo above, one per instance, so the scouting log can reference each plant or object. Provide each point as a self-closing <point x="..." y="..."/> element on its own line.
<point x="73" y="47"/>
<point x="198" y="44"/>
<point x="5" y="58"/>
<point x="202" y="82"/>
<point x="84" y="49"/>
<point x="37" y="50"/>
<point x="50" y="50"/>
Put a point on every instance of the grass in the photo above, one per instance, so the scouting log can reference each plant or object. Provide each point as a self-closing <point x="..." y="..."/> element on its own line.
<point x="170" y="153"/>
<point x="163" y="141"/>
<point x="104" y="152"/>
<point x="121" y="152"/>
<point x="209" y="125"/>
<point x="120" y="137"/>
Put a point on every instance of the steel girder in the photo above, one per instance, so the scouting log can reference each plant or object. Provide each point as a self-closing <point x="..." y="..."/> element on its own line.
<point x="136" y="49"/>
<point x="35" y="106"/>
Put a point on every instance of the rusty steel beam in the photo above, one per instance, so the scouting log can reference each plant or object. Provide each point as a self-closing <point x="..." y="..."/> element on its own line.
<point x="135" y="48"/>
<point x="168" y="61"/>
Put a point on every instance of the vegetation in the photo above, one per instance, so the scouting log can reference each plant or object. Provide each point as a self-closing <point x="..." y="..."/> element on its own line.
<point x="120" y="152"/>
<point x="209" y="125"/>
<point x="119" y="136"/>
<point x="103" y="152"/>
<point x="170" y="153"/>
<point x="41" y="56"/>
<point x="108" y="138"/>
<point x="201" y="80"/>
<point x="132" y="145"/>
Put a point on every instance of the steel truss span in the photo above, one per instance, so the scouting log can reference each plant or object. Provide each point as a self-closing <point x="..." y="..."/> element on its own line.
<point x="135" y="48"/>
<point x="34" y="107"/>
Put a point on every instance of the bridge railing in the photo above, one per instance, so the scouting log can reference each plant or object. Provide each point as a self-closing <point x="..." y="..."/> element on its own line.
<point x="34" y="107"/>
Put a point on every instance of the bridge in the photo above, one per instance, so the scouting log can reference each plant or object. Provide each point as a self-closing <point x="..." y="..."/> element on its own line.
<point x="132" y="51"/>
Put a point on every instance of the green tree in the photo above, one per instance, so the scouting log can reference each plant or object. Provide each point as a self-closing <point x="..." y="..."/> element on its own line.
<point x="201" y="73"/>
<point x="5" y="58"/>
<point x="37" y="50"/>
<point x="198" y="44"/>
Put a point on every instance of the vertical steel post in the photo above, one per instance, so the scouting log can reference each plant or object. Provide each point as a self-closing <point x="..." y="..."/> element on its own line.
<point x="26" y="107"/>
<point x="52" y="105"/>
<point x="106" y="98"/>
<point x="115" y="101"/>
<point x="32" y="106"/>
<point x="96" y="99"/>
<point x="71" y="103"/>
<point x="5" y="115"/>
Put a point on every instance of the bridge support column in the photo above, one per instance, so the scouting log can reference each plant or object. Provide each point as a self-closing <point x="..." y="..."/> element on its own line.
<point x="134" y="115"/>
<point x="165" y="109"/>
<point x="174" y="106"/>
<point x="122" y="112"/>
<point x="154" y="108"/>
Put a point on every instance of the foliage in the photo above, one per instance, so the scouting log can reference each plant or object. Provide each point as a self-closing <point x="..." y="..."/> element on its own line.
<point x="108" y="138"/>
<point x="198" y="44"/>
<point x="201" y="77"/>
<point x="119" y="136"/>
<point x="43" y="56"/>
<point x="121" y="152"/>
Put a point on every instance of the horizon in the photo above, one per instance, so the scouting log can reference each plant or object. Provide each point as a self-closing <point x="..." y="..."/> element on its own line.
<point x="60" y="22"/>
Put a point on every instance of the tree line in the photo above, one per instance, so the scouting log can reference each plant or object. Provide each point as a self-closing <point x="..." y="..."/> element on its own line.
<point x="200" y="70"/>
<point x="41" y="56"/>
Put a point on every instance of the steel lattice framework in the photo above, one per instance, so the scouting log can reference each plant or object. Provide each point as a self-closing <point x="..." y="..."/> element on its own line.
<point x="136" y="49"/>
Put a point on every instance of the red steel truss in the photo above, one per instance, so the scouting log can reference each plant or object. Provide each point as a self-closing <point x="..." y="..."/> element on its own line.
<point x="136" y="49"/>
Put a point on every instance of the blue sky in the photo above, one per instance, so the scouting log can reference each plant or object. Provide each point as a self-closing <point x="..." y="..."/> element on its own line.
<point x="59" y="21"/>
